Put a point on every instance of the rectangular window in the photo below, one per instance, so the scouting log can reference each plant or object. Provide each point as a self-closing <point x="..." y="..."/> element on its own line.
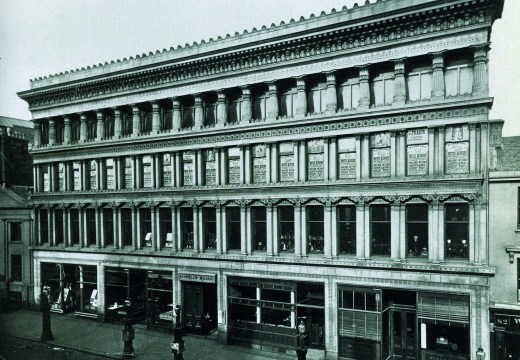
<point x="126" y="227"/>
<point x="129" y="173"/>
<point x="348" y="94"/>
<point x="93" y="171"/>
<point x="382" y="88"/>
<point x="187" y="228"/>
<point x="74" y="130"/>
<point x="15" y="231"/>
<point x="315" y="229"/>
<point x="90" y="214"/>
<point x="315" y="160"/>
<point x="146" y="171"/>
<point x="347" y="158"/>
<point x="108" y="226"/>
<point x="76" y="170"/>
<point x="258" y="227"/>
<point x="210" y="114"/>
<point x="286" y="228"/>
<point x="110" y="174"/>
<point x="210" y="168"/>
<point x="44" y="227"/>
<point x="16" y="268"/>
<point x="233" y="227"/>
<point x="457" y="149"/>
<point x="458" y="79"/>
<point x="380" y="228"/>
<point x="234" y="166"/>
<point x="456" y="223"/>
<point x="288" y="103"/>
<point x="146" y="122"/>
<point x="209" y="218"/>
<point x="417" y="152"/>
<point x="316" y="98"/>
<point x="380" y="150"/>
<point x="58" y="225"/>
<point x="259" y="106"/>
<point x="417" y="230"/>
<point x="187" y="117"/>
<point x="74" y="226"/>
<point x="259" y="164"/>
<point x="167" y="170"/>
<point x="165" y="221"/>
<point x="188" y="168"/>
<point x="61" y="177"/>
<point x="346" y="217"/>
<point x="419" y="81"/>
<point x="167" y="120"/>
<point x="145" y="217"/>
<point x="286" y="161"/>
<point x="46" y="172"/>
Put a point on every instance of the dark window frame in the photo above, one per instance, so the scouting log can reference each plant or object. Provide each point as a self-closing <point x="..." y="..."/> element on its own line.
<point x="383" y="246"/>
<point x="346" y="246"/>
<point x="453" y="249"/>
<point x="230" y="224"/>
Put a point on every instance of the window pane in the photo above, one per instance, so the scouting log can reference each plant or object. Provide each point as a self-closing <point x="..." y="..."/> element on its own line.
<point x="16" y="231"/>
<point x="315" y="229"/>
<point x="347" y="229"/>
<point x="187" y="228"/>
<point x="210" y="228"/>
<point x="380" y="229"/>
<point x="258" y="218"/>
<point x="457" y="230"/>
<point x="233" y="227"/>
<point x="417" y="230"/>
<point x="286" y="228"/>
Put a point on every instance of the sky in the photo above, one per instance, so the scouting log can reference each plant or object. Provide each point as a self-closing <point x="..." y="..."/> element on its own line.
<point x="43" y="37"/>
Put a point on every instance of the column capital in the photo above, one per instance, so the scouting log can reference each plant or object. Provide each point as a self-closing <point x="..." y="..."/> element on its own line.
<point x="438" y="60"/>
<point x="198" y="99"/>
<point x="135" y="108"/>
<point x="175" y="102"/>
<point x="37" y="125"/>
<point x="221" y="96"/>
<point x="399" y="67"/>
<point x="246" y="92"/>
<point x="363" y="73"/>
<point x="82" y="116"/>
<point x="52" y="122"/>
<point x="300" y="83"/>
<point x="331" y="78"/>
<point x="273" y="88"/>
<point x="117" y="112"/>
<point x="99" y="115"/>
<point x="155" y="106"/>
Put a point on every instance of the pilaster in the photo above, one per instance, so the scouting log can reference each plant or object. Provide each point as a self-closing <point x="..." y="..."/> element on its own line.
<point x="100" y="128"/>
<point x="156" y="117"/>
<point x="364" y="88"/>
<point x="399" y="83"/>
<point x="331" y="102"/>
<point x="66" y="130"/>
<point x="438" y="87"/>
<point x="301" y="98"/>
<point x="245" y="105"/>
<point x="272" y="103"/>
<point x="52" y="132"/>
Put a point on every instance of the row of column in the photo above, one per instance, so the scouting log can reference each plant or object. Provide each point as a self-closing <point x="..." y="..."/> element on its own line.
<point x="436" y="223"/>
<point x="480" y="88"/>
<point x="398" y="162"/>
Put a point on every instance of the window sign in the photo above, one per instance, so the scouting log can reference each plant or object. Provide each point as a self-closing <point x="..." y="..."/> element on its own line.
<point x="347" y="158"/>
<point x="457" y="133"/>
<point x="417" y="136"/>
<point x="380" y="140"/>
<point x="457" y="158"/>
<point x="187" y="167"/>
<point x="417" y="160"/>
<point x="315" y="165"/>
<point x="147" y="171"/>
<point x="211" y="169"/>
<point x="234" y="165"/>
<point x="259" y="164"/>
<point x="46" y="180"/>
<point x="61" y="176"/>
<point x="93" y="174"/>
<point x="76" y="169"/>
<point x="286" y="161"/>
<point x="167" y="170"/>
<point x="381" y="162"/>
<point x="110" y="174"/>
<point x="129" y="173"/>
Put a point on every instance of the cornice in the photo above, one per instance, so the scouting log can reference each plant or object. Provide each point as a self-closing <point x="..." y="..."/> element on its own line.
<point x="320" y="125"/>
<point x="341" y="39"/>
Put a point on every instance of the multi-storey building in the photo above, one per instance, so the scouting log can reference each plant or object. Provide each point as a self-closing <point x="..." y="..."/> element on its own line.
<point x="329" y="171"/>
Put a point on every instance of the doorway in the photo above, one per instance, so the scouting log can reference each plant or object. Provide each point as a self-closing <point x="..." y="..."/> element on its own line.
<point x="403" y="334"/>
<point x="199" y="301"/>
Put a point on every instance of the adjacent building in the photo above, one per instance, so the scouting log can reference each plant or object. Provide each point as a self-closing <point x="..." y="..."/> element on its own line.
<point x="330" y="171"/>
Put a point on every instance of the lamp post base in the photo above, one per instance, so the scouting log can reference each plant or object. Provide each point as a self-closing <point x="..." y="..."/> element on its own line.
<point x="301" y="353"/>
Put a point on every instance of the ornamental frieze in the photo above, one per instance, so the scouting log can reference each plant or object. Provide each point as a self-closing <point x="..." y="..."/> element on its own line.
<point x="157" y="145"/>
<point x="339" y="40"/>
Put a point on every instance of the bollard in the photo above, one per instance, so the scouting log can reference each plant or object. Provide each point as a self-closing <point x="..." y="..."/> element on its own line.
<point x="177" y="344"/>
<point x="45" y="308"/>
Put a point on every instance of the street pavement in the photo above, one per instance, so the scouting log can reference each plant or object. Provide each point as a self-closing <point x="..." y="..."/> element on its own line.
<point x="96" y="340"/>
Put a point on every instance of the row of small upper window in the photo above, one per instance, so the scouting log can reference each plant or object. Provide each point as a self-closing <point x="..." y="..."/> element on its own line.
<point x="456" y="229"/>
<point x="417" y="164"/>
<point x="458" y="80"/>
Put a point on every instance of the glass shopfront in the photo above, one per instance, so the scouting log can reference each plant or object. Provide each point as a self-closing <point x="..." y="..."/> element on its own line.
<point x="159" y="309"/>
<point x="86" y="291"/>
<point x="60" y="279"/>
<point x="505" y="334"/>
<point x="199" y="302"/>
<point x="120" y="285"/>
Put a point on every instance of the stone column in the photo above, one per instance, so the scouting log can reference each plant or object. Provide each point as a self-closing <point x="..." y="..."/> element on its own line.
<point x="218" y="226"/>
<point x="82" y="127"/>
<point x="269" y="228"/>
<point x="136" y="120"/>
<point x="333" y="159"/>
<point x="302" y="161"/>
<point x="399" y="83"/>
<point x="65" y="227"/>
<point x="245" y="105"/>
<point x="438" y="87"/>
<point x="243" y="229"/>
<point x="360" y="230"/>
<point x="156" y="117"/>
<point x="178" y="168"/>
<point x="327" y="234"/>
<point x="50" y="226"/>
<point x="331" y="102"/>
<point x="221" y="108"/>
<point x="242" y="162"/>
<point x="175" y="229"/>
<point x="440" y="238"/>
<point x="297" y="229"/>
<point x="52" y="132"/>
<point x="81" y="217"/>
<point x="274" y="163"/>
<point x="117" y="123"/>
<point x="440" y="151"/>
<point x="268" y="163"/>
<point x="395" y="221"/>
<point x="472" y="148"/>
<point x="136" y="228"/>
<point x="480" y="71"/>
<point x="66" y="130"/>
<point x="393" y="153"/>
<point x="484" y="147"/>
<point x="301" y="98"/>
<point x="326" y="160"/>
<point x="303" y="225"/>
<point x="116" y="215"/>
<point x="431" y="151"/>
<point x="176" y="114"/>
<point x="276" y="232"/>
<point x="359" y="157"/>
<point x="472" y="241"/>
<point x="401" y="150"/>
<point x="247" y="165"/>
<point x="249" y="230"/>
<point x="364" y="88"/>
<point x="296" y="160"/>
<point x="100" y="238"/>
<point x="199" y="112"/>
<point x="197" y="166"/>
<point x="272" y="103"/>
<point x="100" y="128"/>
<point x="224" y="240"/>
<point x="156" y="236"/>
<point x="37" y="135"/>
<point x="334" y="226"/>
<point x="365" y="156"/>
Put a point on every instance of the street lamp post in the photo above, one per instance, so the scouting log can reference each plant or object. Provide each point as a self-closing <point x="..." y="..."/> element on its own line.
<point x="481" y="355"/>
<point x="45" y="308"/>
<point x="127" y="334"/>
<point x="177" y="344"/>
<point x="301" y="351"/>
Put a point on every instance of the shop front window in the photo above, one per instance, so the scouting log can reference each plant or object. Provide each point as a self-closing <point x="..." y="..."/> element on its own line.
<point x="187" y="228"/>
<point x="346" y="217"/>
<point x="286" y="229"/>
<point x="160" y="312"/>
<point x="456" y="231"/>
<point x="233" y="227"/>
<point x="209" y="219"/>
<point x="417" y="230"/>
<point x="380" y="228"/>
<point x="86" y="289"/>
<point x="258" y="224"/>
<point x="315" y="229"/>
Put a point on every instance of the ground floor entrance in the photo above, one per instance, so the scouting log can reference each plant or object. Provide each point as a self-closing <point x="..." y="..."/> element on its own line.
<point x="505" y="335"/>
<point x="199" y="302"/>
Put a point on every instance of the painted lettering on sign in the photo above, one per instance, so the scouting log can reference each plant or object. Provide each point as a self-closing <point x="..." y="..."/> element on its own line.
<point x="457" y="158"/>
<point x="417" y="160"/>
<point x="197" y="278"/>
<point x="381" y="162"/>
<point x="315" y="167"/>
<point x="347" y="165"/>
<point x="287" y="168"/>
<point x="259" y="170"/>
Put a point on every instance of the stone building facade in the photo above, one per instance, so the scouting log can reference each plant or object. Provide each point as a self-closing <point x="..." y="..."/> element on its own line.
<point x="329" y="171"/>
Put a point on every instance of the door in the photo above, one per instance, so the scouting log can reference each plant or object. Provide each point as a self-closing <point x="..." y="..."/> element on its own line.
<point x="403" y="342"/>
<point x="192" y="305"/>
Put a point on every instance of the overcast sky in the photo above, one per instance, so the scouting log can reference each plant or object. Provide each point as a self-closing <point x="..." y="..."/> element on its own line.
<point x="42" y="37"/>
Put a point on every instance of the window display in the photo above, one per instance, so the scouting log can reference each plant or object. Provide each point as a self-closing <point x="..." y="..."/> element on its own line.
<point x="159" y="308"/>
<point x="87" y="291"/>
